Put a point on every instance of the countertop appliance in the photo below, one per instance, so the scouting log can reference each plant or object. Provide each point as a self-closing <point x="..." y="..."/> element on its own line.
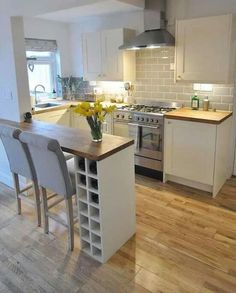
<point x="145" y="124"/>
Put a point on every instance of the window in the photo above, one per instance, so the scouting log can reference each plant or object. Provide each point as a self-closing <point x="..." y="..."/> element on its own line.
<point x="42" y="70"/>
<point x="43" y="66"/>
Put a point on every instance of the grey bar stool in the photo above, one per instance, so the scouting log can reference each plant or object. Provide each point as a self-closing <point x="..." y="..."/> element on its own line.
<point x="55" y="174"/>
<point x="21" y="163"/>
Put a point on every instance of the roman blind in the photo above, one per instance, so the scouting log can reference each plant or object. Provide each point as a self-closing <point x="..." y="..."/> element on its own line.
<point x="40" y="45"/>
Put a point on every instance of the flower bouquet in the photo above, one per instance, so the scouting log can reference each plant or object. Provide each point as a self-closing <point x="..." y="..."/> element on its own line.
<point x="95" y="114"/>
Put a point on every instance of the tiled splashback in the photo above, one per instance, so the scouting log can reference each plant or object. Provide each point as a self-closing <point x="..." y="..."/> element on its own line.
<point x="75" y="88"/>
<point x="155" y="82"/>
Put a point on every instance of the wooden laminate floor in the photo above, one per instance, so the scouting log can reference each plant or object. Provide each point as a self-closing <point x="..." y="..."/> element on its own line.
<point x="185" y="242"/>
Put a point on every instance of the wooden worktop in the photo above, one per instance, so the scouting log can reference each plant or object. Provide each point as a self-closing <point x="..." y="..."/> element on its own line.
<point x="75" y="141"/>
<point x="199" y="115"/>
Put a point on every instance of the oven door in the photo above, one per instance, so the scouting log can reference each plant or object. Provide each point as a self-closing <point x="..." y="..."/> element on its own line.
<point x="148" y="140"/>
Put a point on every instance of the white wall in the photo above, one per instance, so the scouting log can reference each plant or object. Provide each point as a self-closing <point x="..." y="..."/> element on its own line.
<point x="14" y="93"/>
<point x="132" y="20"/>
<point x="13" y="78"/>
<point x="51" y="30"/>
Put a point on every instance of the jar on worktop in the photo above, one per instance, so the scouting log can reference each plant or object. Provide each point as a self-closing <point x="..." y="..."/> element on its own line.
<point x="206" y="104"/>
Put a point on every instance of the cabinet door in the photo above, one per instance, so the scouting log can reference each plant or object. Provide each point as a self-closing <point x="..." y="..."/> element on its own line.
<point x="203" y="49"/>
<point x="189" y="150"/>
<point x="92" y="56"/>
<point x="107" y="126"/>
<point x="64" y="119"/>
<point x="112" y="58"/>
<point x="79" y="122"/>
<point x="61" y="117"/>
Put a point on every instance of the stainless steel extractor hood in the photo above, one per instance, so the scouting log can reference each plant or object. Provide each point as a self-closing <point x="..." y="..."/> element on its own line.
<point x="155" y="35"/>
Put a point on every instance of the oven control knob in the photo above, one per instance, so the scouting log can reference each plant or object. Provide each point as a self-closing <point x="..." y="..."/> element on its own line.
<point x="157" y="121"/>
<point x="117" y="116"/>
<point x="130" y="117"/>
<point x="142" y="119"/>
<point x="137" y="118"/>
<point x="123" y="116"/>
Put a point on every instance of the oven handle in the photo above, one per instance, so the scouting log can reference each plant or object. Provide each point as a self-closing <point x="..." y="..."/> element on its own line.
<point x="142" y="125"/>
<point x="137" y="138"/>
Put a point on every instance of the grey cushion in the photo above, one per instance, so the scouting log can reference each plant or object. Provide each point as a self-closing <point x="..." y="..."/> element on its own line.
<point x="18" y="155"/>
<point x="49" y="162"/>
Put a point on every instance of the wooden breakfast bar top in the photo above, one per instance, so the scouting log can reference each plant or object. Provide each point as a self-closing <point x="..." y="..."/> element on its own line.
<point x="74" y="141"/>
<point x="105" y="193"/>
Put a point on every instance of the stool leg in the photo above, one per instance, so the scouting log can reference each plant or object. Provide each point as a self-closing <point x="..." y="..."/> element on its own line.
<point x="45" y="210"/>
<point x="37" y="202"/>
<point x="17" y="191"/>
<point x="70" y="222"/>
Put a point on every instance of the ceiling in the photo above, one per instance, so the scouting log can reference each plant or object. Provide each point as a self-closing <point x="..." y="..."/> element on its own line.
<point x="94" y="8"/>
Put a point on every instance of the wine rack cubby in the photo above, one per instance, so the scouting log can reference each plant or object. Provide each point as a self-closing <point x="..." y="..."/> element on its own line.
<point x="89" y="207"/>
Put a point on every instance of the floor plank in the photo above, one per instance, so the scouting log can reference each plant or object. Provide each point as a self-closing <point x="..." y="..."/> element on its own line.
<point x="185" y="242"/>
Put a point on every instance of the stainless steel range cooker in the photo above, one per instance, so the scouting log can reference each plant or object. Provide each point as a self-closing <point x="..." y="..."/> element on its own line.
<point x="145" y="124"/>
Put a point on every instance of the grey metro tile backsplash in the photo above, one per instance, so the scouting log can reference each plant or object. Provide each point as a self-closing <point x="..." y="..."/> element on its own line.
<point x="155" y="82"/>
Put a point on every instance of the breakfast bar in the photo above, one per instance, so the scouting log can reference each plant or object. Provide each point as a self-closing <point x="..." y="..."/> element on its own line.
<point x="104" y="185"/>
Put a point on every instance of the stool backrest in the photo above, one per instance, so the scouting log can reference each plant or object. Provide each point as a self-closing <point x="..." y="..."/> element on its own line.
<point x="18" y="155"/>
<point x="49" y="162"/>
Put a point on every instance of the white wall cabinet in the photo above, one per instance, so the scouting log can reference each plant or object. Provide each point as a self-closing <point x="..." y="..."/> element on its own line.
<point x="102" y="59"/>
<point x="197" y="154"/>
<point x="61" y="117"/>
<point x="205" y="50"/>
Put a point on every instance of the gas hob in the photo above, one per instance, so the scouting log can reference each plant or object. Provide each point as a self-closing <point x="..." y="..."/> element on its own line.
<point x="144" y="113"/>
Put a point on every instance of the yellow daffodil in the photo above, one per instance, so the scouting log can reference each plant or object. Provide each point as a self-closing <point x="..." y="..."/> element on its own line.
<point x="110" y="109"/>
<point x="89" y="113"/>
<point x="97" y="108"/>
<point x="101" y="117"/>
<point x="85" y="105"/>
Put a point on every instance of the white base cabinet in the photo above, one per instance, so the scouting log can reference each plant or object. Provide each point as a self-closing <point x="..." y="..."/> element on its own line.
<point x="197" y="154"/>
<point x="106" y="203"/>
<point x="61" y="117"/>
<point x="205" y="50"/>
<point x="68" y="118"/>
<point x="81" y="123"/>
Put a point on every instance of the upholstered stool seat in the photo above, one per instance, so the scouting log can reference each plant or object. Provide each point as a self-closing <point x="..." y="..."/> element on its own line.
<point x="20" y="163"/>
<point x="53" y="173"/>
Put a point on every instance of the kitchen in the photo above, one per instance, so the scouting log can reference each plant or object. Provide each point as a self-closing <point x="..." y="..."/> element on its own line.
<point x="147" y="83"/>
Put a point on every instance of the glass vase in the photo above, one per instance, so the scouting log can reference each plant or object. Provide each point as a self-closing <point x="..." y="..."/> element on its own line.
<point x="96" y="133"/>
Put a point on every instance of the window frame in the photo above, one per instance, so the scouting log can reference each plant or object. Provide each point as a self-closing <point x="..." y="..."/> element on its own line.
<point x="50" y="60"/>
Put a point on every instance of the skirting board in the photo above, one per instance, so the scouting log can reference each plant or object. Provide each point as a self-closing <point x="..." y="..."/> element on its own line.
<point x="189" y="183"/>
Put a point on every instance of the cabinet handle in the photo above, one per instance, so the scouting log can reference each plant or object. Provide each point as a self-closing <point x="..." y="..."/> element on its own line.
<point x="179" y="77"/>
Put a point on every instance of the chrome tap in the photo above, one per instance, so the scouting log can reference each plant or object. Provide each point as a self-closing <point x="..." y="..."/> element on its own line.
<point x="35" y="92"/>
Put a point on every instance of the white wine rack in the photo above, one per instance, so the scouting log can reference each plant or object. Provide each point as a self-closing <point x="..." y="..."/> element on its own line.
<point x="106" y="204"/>
<point x="89" y="207"/>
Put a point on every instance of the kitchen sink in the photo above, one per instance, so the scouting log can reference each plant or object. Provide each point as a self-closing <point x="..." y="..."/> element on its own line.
<point x="47" y="105"/>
